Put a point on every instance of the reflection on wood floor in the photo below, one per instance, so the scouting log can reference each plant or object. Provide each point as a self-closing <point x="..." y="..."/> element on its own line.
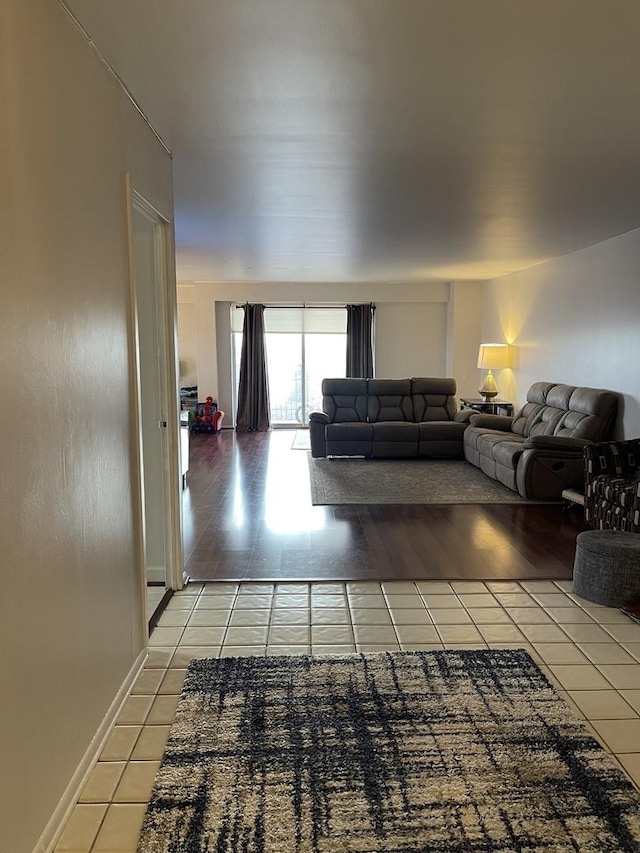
<point x="248" y="515"/>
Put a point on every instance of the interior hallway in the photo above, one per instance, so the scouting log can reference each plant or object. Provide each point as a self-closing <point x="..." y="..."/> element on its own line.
<point x="592" y="654"/>
<point x="248" y="516"/>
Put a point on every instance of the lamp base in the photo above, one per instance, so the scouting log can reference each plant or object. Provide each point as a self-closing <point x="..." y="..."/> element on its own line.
<point x="489" y="389"/>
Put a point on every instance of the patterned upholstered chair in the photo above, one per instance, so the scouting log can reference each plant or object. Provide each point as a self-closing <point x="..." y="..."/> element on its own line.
<point x="612" y="485"/>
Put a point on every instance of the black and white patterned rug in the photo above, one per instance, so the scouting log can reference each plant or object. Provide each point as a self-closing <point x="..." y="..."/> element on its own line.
<point x="399" y="752"/>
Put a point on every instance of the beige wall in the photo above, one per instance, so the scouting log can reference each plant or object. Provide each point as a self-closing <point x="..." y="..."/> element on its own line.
<point x="411" y="339"/>
<point x="414" y="327"/>
<point x="464" y="323"/>
<point x="187" y="344"/>
<point x="70" y="612"/>
<point x="574" y="320"/>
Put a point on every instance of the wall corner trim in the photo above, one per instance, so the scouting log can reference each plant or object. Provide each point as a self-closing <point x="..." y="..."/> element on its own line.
<point x="55" y="826"/>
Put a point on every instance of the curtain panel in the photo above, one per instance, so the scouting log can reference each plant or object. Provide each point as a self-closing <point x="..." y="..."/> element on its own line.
<point x="253" y="387"/>
<point x="360" y="340"/>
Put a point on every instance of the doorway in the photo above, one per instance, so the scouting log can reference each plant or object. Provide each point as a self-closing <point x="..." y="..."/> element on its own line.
<point x="156" y="407"/>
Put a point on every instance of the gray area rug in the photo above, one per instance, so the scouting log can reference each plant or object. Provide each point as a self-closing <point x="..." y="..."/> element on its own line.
<point x="404" y="481"/>
<point x="397" y="752"/>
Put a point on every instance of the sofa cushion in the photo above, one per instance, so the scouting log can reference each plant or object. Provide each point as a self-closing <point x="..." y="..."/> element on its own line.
<point x="523" y="419"/>
<point x="547" y="420"/>
<point x="396" y="431"/>
<point x="591" y="412"/>
<point x="395" y="440"/>
<point x="349" y="439"/>
<point x="559" y="396"/>
<point x="489" y="442"/>
<point x="483" y="448"/>
<point x="566" y="411"/>
<point x="349" y="432"/>
<point x="345" y="400"/>
<point x="507" y="453"/>
<point x="442" y="431"/>
<point x="536" y="400"/>
<point x="433" y="399"/>
<point x="495" y="453"/>
<point x="474" y="435"/>
<point x="441" y="439"/>
<point x="506" y="475"/>
<point x="389" y="400"/>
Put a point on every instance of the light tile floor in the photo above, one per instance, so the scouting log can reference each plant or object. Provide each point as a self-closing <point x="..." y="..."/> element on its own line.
<point x="155" y="594"/>
<point x="591" y="653"/>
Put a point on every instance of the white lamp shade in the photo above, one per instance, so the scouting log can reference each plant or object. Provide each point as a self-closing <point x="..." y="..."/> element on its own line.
<point x="493" y="356"/>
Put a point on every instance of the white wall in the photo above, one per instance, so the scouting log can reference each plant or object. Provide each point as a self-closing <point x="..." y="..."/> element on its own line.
<point x="187" y="344"/>
<point x="574" y="320"/>
<point x="71" y="621"/>
<point x="414" y="326"/>
<point x="411" y="339"/>
<point x="224" y="362"/>
<point x="464" y="323"/>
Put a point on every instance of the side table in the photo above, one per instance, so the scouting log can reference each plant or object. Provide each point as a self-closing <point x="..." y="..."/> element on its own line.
<point x="488" y="407"/>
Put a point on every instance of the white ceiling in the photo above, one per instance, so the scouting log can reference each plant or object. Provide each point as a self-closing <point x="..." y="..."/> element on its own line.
<point x="384" y="140"/>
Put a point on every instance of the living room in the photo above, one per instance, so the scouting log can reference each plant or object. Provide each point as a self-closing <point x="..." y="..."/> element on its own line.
<point x="434" y="329"/>
<point x="570" y="320"/>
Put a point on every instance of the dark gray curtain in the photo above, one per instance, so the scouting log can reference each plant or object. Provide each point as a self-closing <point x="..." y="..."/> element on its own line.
<point x="253" y="388"/>
<point x="360" y="340"/>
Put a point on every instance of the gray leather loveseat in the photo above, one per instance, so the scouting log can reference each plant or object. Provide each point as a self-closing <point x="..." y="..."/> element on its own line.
<point x="388" y="418"/>
<point x="540" y="451"/>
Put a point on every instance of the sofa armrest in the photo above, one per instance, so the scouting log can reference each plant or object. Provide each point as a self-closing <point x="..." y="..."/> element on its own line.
<point x="557" y="442"/>
<point x="550" y="464"/>
<point x="499" y="422"/>
<point x="543" y="473"/>
<point x="464" y="416"/>
<point x="319" y="418"/>
<point x="317" y="433"/>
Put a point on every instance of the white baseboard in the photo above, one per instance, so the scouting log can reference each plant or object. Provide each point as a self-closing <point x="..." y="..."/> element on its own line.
<point x="60" y="816"/>
<point x="155" y="574"/>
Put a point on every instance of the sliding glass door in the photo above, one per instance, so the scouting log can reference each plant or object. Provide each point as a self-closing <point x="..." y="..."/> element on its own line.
<point x="304" y="345"/>
<point x="286" y="375"/>
<point x="325" y="356"/>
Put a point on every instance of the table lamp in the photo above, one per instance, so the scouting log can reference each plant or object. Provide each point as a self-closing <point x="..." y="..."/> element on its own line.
<point x="492" y="357"/>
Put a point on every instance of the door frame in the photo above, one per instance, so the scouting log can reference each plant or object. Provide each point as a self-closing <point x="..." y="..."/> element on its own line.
<point x="167" y="340"/>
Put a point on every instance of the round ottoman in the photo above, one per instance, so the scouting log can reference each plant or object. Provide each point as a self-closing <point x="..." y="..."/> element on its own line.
<point x="606" y="569"/>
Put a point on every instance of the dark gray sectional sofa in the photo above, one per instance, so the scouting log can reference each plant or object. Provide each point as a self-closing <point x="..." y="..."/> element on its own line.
<point x="540" y="451"/>
<point x="388" y="418"/>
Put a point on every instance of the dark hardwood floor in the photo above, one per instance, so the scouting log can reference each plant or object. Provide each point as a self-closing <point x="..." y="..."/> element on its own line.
<point x="248" y="516"/>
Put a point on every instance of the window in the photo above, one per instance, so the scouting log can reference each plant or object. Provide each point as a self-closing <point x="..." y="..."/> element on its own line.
<point x="304" y="345"/>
